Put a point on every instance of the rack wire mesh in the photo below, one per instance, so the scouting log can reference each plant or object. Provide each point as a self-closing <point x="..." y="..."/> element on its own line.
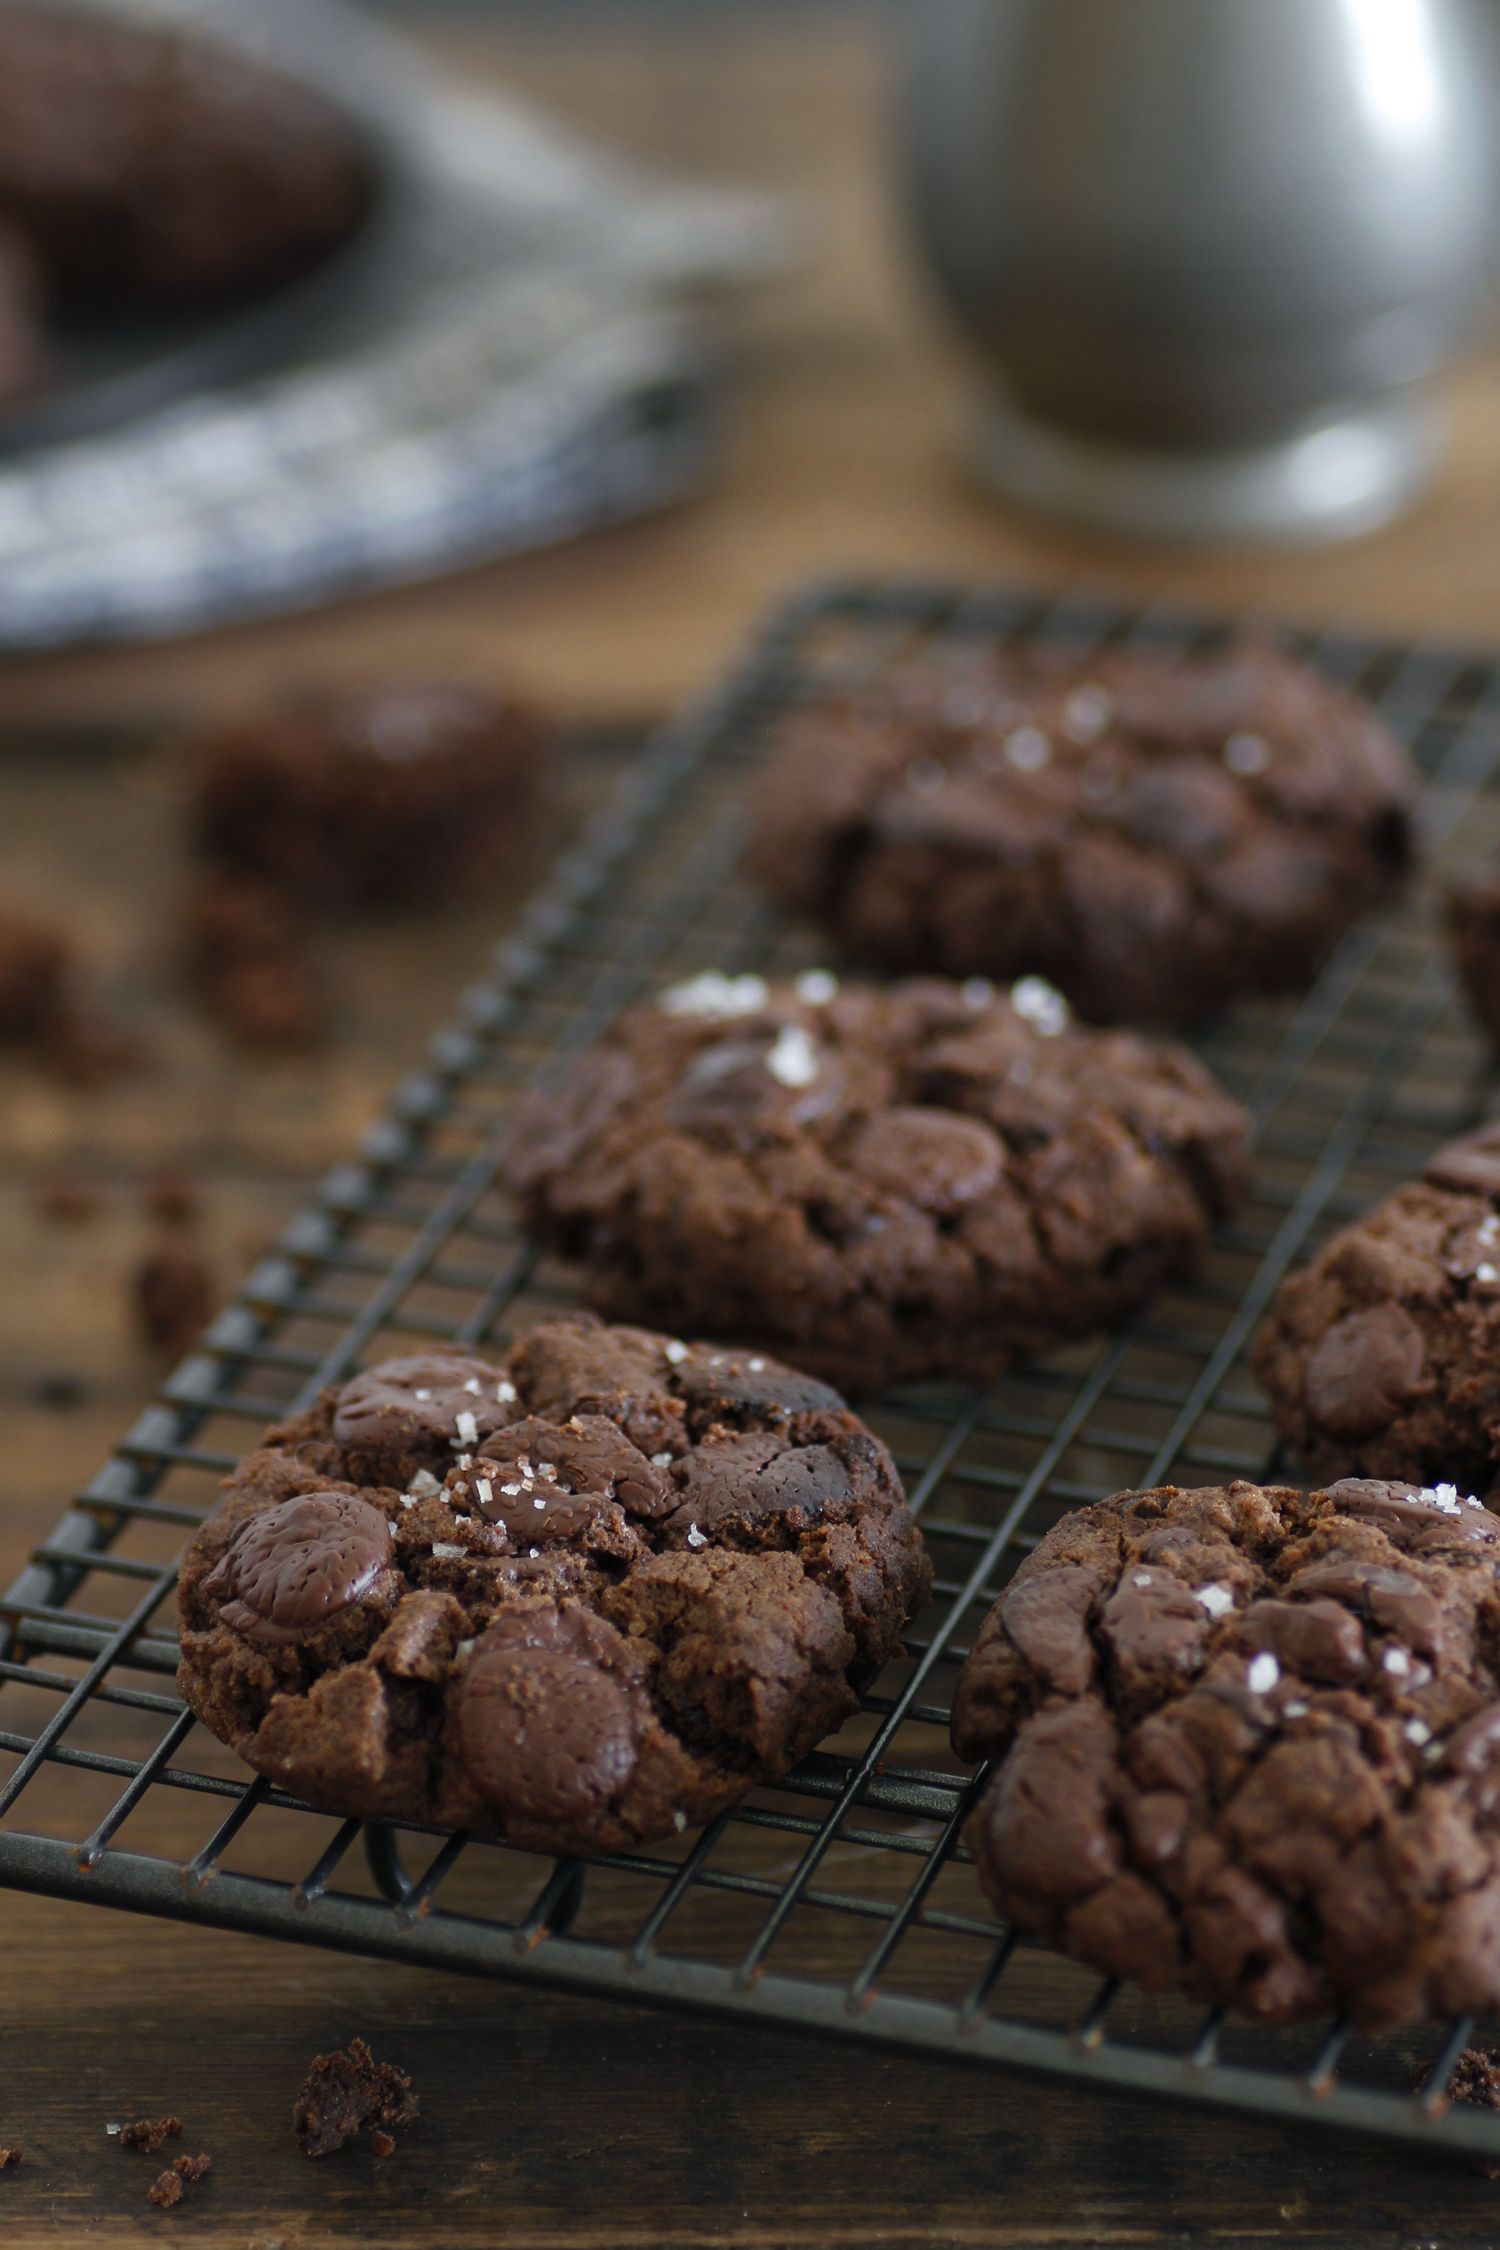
<point x="842" y="1899"/>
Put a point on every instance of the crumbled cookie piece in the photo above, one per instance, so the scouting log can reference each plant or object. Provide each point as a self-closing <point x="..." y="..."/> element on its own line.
<point x="1154" y="836"/>
<point x="166" y="2192"/>
<point x="192" y="2168"/>
<point x="382" y="2143"/>
<point x="1244" y="1746"/>
<point x="250" y="957"/>
<point x="174" y="1296"/>
<point x="881" y="1185"/>
<point x="346" y="2091"/>
<point x="11" y="2156"/>
<point x="148" y="2133"/>
<point x="579" y="1600"/>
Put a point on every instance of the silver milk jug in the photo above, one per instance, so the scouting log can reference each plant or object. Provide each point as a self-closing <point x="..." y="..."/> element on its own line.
<point x="1208" y="250"/>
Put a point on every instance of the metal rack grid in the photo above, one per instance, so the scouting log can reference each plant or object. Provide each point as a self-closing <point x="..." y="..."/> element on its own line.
<point x="842" y="1899"/>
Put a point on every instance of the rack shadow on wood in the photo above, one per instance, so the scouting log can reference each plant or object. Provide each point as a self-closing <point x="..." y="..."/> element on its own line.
<point x="841" y="1900"/>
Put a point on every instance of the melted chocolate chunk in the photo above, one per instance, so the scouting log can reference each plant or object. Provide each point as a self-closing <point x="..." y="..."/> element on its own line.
<point x="293" y="1567"/>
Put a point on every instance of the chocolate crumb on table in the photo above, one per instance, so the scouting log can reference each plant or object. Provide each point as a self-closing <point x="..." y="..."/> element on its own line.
<point x="43" y="1012"/>
<point x="248" y="959"/>
<point x="192" y="2168"/>
<point x="346" y="2091"/>
<point x="67" y="1201"/>
<point x="148" y="2133"/>
<point x="173" y="1296"/>
<point x="382" y="2143"/>
<point x="166" y="2192"/>
<point x="10" y="2158"/>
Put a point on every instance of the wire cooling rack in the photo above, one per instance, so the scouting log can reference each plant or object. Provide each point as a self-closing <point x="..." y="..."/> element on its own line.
<point x="842" y="1899"/>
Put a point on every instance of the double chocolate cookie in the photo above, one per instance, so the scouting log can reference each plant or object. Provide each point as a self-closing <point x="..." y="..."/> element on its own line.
<point x="927" y="1181"/>
<point x="1382" y="1358"/>
<point x="1474" y="932"/>
<point x="408" y="792"/>
<point x="151" y="169"/>
<point x="1247" y="1746"/>
<point x="579" y="1601"/>
<point x="1156" y="839"/>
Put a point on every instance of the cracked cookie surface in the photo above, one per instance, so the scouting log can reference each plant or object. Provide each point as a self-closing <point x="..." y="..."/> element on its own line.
<point x="931" y="1180"/>
<point x="1157" y="838"/>
<point x="1247" y="1746"/>
<point x="581" y="1600"/>
<point x="1380" y="1358"/>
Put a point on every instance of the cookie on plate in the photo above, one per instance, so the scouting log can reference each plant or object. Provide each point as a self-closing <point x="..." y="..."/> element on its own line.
<point x="410" y="791"/>
<point x="1155" y="838"/>
<point x="932" y="1180"/>
<point x="1473" y="911"/>
<point x="1247" y="1746"/>
<point x="1382" y="1357"/>
<point x="581" y="1600"/>
<point x="151" y="169"/>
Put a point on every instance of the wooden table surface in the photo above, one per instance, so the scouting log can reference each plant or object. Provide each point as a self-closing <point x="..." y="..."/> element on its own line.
<point x="551" y="2121"/>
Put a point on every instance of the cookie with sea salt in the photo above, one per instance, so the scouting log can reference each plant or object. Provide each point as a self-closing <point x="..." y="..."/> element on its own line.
<point x="1246" y="1745"/>
<point x="581" y="1600"/>
<point x="1156" y="837"/>
<point x="930" y="1180"/>
<point x="1382" y="1357"/>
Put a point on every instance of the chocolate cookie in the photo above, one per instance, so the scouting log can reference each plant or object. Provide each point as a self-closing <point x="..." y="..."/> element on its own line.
<point x="151" y="169"/>
<point x="1157" y="839"/>
<point x="1474" y="932"/>
<point x="1382" y="1358"/>
<point x="926" y="1181"/>
<point x="1248" y="1747"/>
<point x="579" y="1601"/>
<point x="372" y="799"/>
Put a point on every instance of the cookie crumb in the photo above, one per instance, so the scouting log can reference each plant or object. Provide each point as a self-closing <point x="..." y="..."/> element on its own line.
<point x="173" y="1297"/>
<point x="191" y="2168"/>
<point x="10" y="2157"/>
<point x="67" y="1201"/>
<point x="382" y="2143"/>
<point x="167" y="2192"/>
<point x="346" y="2091"/>
<point x="148" y="2133"/>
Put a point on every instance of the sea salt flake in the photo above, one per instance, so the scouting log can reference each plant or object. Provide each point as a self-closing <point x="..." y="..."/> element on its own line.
<point x="467" y="1428"/>
<point x="424" y="1396"/>
<point x="1041" y="1005"/>
<point x="714" y="994"/>
<point x="817" y="987"/>
<point x="661" y="1460"/>
<point x="756" y="1366"/>
<point x="445" y="1550"/>
<point x="115" y="2128"/>
<point x="549" y="1472"/>
<point x="511" y="1491"/>
<point x="406" y="1500"/>
<point x="506" y="1393"/>
<point x="793" y="1061"/>
<point x="1140" y="1578"/>
<point x="1417" y="1731"/>
<point x="485" y="1491"/>
<point x="1294" y="1710"/>
<point x="473" y="1385"/>
<point x="1217" y="1600"/>
<point x="1487" y="1274"/>
<point x="1489" y="1231"/>
<point x="1246" y="754"/>
<point x="674" y="1352"/>
<point x="1396" y="1662"/>
<point x="423" y="1485"/>
<point x="1441" y="1496"/>
<point x="539" y="1503"/>
<point x="695" y="1537"/>
<point x="534" y="1553"/>
<point x="1263" y="1673"/>
<point x="464" y="1648"/>
<point x="1028" y="749"/>
<point x="465" y="1461"/>
<point x="679" y="1821"/>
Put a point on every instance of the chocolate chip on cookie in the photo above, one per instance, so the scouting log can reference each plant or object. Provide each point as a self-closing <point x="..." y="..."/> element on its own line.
<point x="1246" y="1745"/>
<point x="582" y="1600"/>
<point x="1156" y="838"/>
<point x="926" y="1181"/>
<point x="1380" y="1357"/>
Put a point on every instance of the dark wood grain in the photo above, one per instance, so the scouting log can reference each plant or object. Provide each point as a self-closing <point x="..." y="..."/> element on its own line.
<point x="548" y="2121"/>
